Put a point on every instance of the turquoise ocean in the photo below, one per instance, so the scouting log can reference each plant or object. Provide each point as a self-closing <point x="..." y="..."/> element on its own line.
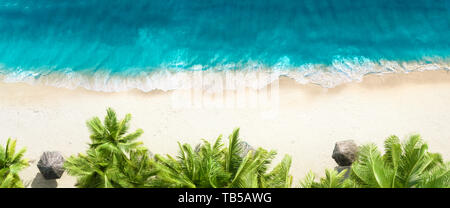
<point x="114" y="45"/>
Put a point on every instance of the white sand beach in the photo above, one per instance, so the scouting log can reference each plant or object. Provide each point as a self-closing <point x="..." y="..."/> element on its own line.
<point x="305" y="121"/>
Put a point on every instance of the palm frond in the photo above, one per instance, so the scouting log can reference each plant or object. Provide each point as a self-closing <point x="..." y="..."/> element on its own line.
<point x="11" y="163"/>
<point x="437" y="177"/>
<point x="308" y="181"/>
<point x="233" y="158"/>
<point x="279" y="177"/>
<point x="370" y="169"/>
<point x="114" y="158"/>
<point x="212" y="166"/>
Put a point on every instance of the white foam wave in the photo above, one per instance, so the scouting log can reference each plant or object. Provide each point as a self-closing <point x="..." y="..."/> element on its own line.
<point x="220" y="78"/>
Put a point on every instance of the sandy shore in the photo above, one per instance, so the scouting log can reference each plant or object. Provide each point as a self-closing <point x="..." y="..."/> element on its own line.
<point x="301" y="120"/>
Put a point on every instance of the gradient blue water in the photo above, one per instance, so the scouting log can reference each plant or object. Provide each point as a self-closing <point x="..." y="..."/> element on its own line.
<point x="128" y="36"/>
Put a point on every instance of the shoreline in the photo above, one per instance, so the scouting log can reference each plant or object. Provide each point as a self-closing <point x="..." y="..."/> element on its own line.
<point x="254" y="76"/>
<point x="309" y="118"/>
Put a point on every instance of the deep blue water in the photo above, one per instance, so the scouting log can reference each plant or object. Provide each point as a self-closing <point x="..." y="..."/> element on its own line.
<point x="126" y="37"/>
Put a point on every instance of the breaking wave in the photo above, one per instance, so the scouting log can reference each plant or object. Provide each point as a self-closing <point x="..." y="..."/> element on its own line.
<point x="230" y="77"/>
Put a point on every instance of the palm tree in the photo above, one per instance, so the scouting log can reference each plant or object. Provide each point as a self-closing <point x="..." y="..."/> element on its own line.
<point x="332" y="179"/>
<point x="250" y="171"/>
<point x="114" y="159"/>
<point x="136" y="172"/>
<point x="91" y="170"/>
<point x="11" y="163"/>
<point x="403" y="165"/>
<point x="279" y="177"/>
<point x="407" y="165"/>
<point x="212" y="166"/>
<point x="94" y="171"/>
<point x="193" y="169"/>
<point x="110" y="138"/>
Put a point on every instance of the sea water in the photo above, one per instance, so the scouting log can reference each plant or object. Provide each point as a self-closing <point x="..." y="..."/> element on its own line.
<point x="113" y="45"/>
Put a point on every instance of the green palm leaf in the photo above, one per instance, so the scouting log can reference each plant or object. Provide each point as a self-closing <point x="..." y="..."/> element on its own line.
<point x="114" y="158"/>
<point x="216" y="166"/>
<point x="11" y="163"/>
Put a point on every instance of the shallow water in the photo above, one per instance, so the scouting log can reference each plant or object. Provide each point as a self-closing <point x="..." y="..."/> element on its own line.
<point x="112" y="45"/>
